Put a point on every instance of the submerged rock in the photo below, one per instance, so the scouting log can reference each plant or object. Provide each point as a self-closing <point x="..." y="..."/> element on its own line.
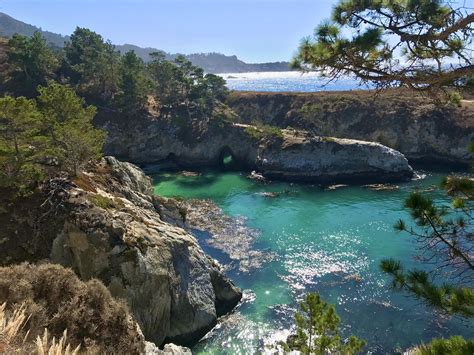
<point x="256" y="176"/>
<point x="107" y="225"/>
<point x="226" y="234"/>
<point x="382" y="187"/>
<point x="337" y="186"/>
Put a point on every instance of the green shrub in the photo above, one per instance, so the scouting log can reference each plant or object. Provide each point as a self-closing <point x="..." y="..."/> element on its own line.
<point x="455" y="98"/>
<point x="317" y="330"/>
<point x="455" y="345"/>
<point x="105" y="202"/>
<point x="262" y="131"/>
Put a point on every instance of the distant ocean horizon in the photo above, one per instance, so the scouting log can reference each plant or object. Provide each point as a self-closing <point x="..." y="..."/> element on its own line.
<point x="289" y="81"/>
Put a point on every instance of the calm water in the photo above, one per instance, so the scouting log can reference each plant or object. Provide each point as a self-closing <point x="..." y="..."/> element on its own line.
<point x="285" y="81"/>
<point x="329" y="241"/>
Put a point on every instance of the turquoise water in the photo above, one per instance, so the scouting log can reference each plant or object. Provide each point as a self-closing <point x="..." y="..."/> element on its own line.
<point x="329" y="241"/>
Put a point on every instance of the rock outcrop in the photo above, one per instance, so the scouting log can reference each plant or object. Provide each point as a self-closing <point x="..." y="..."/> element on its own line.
<point x="402" y="120"/>
<point x="281" y="153"/>
<point x="106" y="224"/>
<point x="303" y="157"/>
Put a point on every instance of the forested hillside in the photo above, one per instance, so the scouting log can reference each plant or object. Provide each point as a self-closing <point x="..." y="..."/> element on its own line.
<point x="210" y="62"/>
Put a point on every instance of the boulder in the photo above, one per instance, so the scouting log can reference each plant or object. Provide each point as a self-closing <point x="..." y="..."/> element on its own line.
<point x="303" y="157"/>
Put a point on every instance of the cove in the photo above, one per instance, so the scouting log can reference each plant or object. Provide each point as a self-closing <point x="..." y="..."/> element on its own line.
<point x="326" y="241"/>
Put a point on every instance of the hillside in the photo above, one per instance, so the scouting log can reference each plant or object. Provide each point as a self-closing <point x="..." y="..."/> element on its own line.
<point x="210" y="62"/>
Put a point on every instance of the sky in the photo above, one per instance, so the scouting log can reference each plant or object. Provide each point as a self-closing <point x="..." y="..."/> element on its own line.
<point x="254" y="30"/>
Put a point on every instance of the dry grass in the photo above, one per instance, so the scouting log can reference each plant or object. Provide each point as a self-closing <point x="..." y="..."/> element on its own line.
<point x="14" y="336"/>
<point x="54" y="298"/>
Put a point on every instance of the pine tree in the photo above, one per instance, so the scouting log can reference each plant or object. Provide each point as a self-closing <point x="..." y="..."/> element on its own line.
<point x="317" y="330"/>
<point x="30" y="63"/>
<point x="424" y="45"/>
<point x="134" y="85"/>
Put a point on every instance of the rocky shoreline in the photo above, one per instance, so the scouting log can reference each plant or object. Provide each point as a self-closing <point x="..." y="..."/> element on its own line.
<point x="402" y="120"/>
<point x="107" y="224"/>
<point x="287" y="154"/>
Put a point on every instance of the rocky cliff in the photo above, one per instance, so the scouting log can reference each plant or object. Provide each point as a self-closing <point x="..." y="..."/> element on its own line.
<point x="106" y="224"/>
<point x="277" y="153"/>
<point x="400" y="120"/>
<point x="301" y="156"/>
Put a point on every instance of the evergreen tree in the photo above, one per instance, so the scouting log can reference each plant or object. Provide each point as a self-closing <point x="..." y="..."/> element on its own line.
<point x="92" y="66"/>
<point x="317" y="330"/>
<point x="69" y="122"/>
<point x="30" y="63"/>
<point x="455" y="345"/>
<point x="134" y="85"/>
<point x="40" y="140"/>
<point x="23" y="143"/>
<point x="420" y="44"/>
<point x="445" y="239"/>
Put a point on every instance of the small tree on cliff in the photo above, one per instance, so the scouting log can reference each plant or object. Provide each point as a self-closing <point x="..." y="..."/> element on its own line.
<point x="69" y="122"/>
<point x="317" y="330"/>
<point x="44" y="137"/>
<point x="424" y="45"/>
<point x="23" y="143"/>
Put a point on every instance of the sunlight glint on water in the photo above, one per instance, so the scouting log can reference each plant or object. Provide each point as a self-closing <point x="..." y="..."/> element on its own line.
<point x="325" y="241"/>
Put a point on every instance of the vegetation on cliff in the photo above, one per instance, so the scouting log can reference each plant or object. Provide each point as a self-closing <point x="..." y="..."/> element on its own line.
<point x="45" y="137"/>
<point x="98" y="72"/>
<point x="53" y="298"/>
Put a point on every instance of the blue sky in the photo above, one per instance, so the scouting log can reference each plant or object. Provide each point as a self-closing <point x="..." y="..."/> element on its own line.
<point x="254" y="30"/>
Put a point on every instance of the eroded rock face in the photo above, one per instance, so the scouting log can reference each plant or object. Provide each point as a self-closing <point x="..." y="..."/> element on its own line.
<point x="303" y="157"/>
<point x="107" y="226"/>
<point x="292" y="155"/>
<point x="401" y="120"/>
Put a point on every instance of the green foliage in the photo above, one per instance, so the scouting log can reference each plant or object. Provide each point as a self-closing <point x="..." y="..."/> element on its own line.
<point x="92" y="65"/>
<point x="181" y="84"/>
<point x="455" y="345"/>
<point x="40" y="138"/>
<point x="393" y="43"/>
<point x="30" y="63"/>
<point x="69" y="122"/>
<point x="317" y="330"/>
<point x="111" y="81"/>
<point x="261" y="131"/>
<point x="105" y="202"/>
<point x="133" y="85"/>
<point x="444" y="235"/>
<point x="445" y="297"/>
<point x="455" y="98"/>
<point x="23" y="143"/>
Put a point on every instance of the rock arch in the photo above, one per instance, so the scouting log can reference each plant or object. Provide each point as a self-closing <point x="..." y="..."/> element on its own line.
<point x="226" y="159"/>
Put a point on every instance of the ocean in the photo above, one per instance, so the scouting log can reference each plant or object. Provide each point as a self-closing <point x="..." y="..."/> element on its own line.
<point x="291" y="81"/>
<point x="320" y="240"/>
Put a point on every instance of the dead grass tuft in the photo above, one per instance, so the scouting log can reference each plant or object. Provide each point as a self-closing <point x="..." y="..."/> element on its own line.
<point x="54" y="298"/>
